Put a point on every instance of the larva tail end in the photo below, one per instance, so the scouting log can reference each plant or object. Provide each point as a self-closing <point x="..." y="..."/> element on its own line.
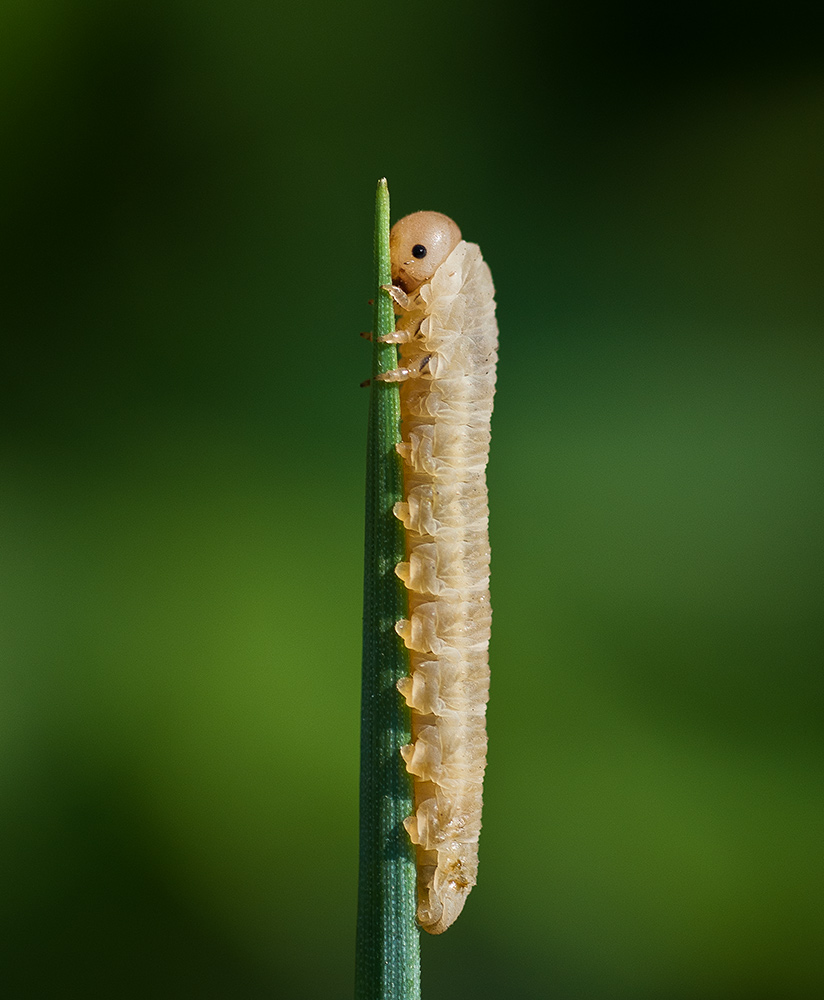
<point x="435" y="915"/>
<point x="442" y="894"/>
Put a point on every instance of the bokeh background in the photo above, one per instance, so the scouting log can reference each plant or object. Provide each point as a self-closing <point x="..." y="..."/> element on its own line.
<point x="186" y="219"/>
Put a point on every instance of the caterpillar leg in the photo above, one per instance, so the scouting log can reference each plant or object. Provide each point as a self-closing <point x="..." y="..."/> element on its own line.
<point x="397" y="375"/>
<point x="396" y="337"/>
<point x="393" y="375"/>
<point x="402" y="374"/>
<point x="398" y="294"/>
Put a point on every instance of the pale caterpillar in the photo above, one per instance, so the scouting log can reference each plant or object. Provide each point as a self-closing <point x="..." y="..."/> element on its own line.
<point x="448" y="341"/>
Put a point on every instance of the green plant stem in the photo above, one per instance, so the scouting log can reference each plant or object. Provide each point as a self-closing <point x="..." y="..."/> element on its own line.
<point x="388" y="942"/>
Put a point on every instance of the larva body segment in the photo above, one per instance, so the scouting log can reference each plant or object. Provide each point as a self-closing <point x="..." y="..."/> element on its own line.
<point x="448" y="341"/>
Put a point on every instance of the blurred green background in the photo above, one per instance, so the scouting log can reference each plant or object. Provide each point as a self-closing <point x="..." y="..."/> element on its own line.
<point x="186" y="212"/>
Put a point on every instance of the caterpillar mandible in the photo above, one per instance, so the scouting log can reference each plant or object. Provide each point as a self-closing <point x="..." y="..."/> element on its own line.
<point x="448" y="339"/>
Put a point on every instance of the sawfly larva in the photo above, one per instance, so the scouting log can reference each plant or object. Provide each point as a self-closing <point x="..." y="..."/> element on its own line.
<point x="448" y="340"/>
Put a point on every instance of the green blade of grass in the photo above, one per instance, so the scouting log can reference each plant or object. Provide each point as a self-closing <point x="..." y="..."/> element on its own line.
<point x="388" y="943"/>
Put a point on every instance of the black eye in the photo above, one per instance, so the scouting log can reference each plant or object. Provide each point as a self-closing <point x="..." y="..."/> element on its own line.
<point x="418" y="251"/>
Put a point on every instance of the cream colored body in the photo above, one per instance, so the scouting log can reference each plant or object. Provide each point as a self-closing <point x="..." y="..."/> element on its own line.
<point x="449" y="339"/>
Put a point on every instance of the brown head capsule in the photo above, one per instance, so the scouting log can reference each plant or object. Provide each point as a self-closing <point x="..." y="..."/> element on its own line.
<point x="418" y="245"/>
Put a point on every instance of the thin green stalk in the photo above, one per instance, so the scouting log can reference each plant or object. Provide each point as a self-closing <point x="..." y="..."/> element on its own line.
<point x="388" y="944"/>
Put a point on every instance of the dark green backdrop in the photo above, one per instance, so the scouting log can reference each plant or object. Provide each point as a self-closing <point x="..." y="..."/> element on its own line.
<point x="186" y="214"/>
